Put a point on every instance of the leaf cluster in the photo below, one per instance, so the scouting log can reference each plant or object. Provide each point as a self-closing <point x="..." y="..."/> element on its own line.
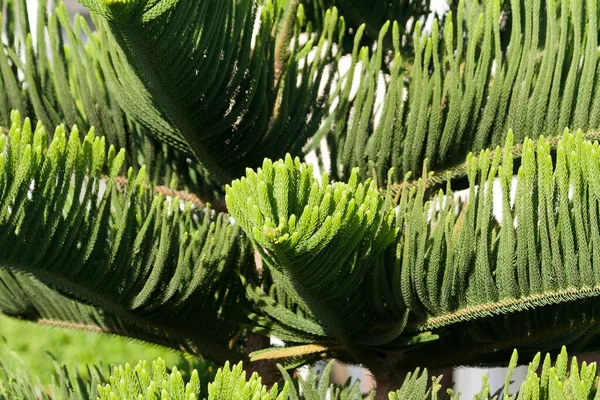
<point x="57" y="79"/>
<point x="205" y="82"/>
<point x="466" y="85"/>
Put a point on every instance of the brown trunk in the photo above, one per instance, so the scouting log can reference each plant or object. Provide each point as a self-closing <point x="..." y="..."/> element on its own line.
<point x="266" y="369"/>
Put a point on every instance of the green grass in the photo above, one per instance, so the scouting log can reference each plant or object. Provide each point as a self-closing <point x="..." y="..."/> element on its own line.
<point x="37" y="344"/>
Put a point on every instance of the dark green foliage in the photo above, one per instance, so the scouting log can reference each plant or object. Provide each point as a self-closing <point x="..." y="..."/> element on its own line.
<point x="373" y="14"/>
<point x="478" y="276"/>
<point x="146" y="260"/>
<point x="229" y="101"/>
<point x="470" y="258"/>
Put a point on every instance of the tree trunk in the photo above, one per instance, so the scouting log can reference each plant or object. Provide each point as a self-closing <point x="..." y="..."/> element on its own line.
<point x="266" y="369"/>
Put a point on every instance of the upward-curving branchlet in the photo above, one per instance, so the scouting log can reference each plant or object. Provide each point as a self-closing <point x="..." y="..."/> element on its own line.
<point x="476" y="74"/>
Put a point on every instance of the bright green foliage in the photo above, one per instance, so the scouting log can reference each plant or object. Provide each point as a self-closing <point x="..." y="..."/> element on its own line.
<point x="16" y="383"/>
<point x="146" y="260"/>
<point x="149" y="382"/>
<point x="554" y="381"/>
<point x="231" y="384"/>
<point x="194" y="75"/>
<point x="155" y="382"/>
<point x="313" y="236"/>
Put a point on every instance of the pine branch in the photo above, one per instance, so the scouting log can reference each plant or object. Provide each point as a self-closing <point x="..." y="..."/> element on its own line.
<point x="465" y="87"/>
<point x="60" y="81"/>
<point x="27" y="299"/>
<point x="475" y="275"/>
<point x="200" y="79"/>
<point x="437" y="276"/>
<point x="134" y="254"/>
<point x="311" y="237"/>
<point x="441" y="179"/>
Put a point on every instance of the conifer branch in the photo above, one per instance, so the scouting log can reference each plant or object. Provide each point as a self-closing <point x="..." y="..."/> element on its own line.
<point x="134" y="254"/>
<point x="440" y="179"/>
<point x="201" y="80"/>
<point x="465" y="88"/>
<point x="219" y="206"/>
<point x="439" y="265"/>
